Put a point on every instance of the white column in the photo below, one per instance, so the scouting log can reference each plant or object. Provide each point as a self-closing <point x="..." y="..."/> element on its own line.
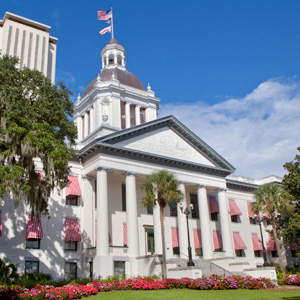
<point x="137" y="115"/>
<point x="102" y="63"/>
<point x="123" y="61"/>
<point x="102" y="213"/>
<point x="106" y="60"/>
<point x="182" y="228"/>
<point x="157" y="230"/>
<point x="115" y="59"/>
<point x="204" y="213"/>
<point x="227" y="238"/>
<point x="131" y="216"/>
<point x="127" y="114"/>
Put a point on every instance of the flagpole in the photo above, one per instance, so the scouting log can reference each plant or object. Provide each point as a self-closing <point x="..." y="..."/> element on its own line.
<point x="112" y="24"/>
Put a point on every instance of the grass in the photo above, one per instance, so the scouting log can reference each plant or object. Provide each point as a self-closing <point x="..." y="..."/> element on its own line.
<point x="195" y="294"/>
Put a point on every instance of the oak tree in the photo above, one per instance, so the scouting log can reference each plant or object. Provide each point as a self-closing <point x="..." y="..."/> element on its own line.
<point x="35" y="125"/>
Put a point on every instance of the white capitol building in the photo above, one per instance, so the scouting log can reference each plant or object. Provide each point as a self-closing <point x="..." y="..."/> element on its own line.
<point x="98" y="226"/>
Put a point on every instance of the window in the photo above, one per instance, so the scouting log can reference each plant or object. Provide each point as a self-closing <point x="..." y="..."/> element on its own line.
<point x="132" y="115"/>
<point x="82" y="127"/>
<point x="143" y="115"/>
<point x="199" y="252"/>
<point x="119" y="269"/>
<point x="150" y="210"/>
<point x="235" y="219"/>
<point x="214" y="216"/>
<point x="32" y="267"/>
<point x="294" y="253"/>
<point x="257" y="253"/>
<point x="274" y="253"/>
<point x="150" y="248"/>
<point x="252" y="221"/>
<point x="72" y="200"/>
<point x="33" y="244"/>
<point x="175" y="250"/>
<point x="194" y="201"/>
<point x="70" y="271"/>
<point x="91" y="270"/>
<point x="70" y="245"/>
<point x="239" y="253"/>
<point x="173" y="209"/>
<point x="123" y="197"/>
<point x="123" y="115"/>
<point x="88" y="123"/>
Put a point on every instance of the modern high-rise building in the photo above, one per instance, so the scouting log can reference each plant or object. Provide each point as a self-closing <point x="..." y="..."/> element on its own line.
<point x="30" y="41"/>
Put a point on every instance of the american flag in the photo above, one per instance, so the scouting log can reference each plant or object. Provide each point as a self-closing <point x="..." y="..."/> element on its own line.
<point x="104" y="14"/>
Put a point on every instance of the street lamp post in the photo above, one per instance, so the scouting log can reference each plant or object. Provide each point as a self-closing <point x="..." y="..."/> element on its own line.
<point x="187" y="211"/>
<point x="259" y="220"/>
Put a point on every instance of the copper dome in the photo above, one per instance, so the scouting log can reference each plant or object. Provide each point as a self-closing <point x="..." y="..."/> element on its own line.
<point x="123" y="76"/>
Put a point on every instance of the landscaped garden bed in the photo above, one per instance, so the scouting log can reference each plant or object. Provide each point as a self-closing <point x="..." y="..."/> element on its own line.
<point x="78" y="291"/>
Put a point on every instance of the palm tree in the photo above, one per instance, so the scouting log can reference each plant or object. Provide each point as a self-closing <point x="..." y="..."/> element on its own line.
<point x="272" y="199"/>
<point x="161" y="187"/>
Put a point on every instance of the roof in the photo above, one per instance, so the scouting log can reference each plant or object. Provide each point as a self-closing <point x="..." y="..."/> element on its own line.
<point x="109" y="144"/>
<point x="123" y="76"/>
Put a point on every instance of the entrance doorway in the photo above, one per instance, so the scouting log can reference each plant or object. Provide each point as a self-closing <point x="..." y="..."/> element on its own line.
<point x="149" y="234"/>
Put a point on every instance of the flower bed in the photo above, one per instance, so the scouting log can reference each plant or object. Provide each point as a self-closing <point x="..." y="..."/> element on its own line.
<point x="291" y="280"/>
<point x="77" y="291"/>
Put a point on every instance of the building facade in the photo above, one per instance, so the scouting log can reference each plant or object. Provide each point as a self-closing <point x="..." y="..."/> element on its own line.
<point x="30" y="42"/>
<point x="98" y="225"/>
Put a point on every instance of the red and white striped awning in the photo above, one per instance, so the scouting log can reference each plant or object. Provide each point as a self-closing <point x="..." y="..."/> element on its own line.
<point x="238" y="242"/>
<point x="250" y="212"/>
<point x="213" y="204"/>
<point x="41" y="174"/>
<point x="72" y="231"/>
<point x="271" y="245"/>
<point x="73" y="187"/>
<point x="217" y="240"/>
<point x="197" y="238"/>
<point x="257" y="244"/>
<point x="175" y="242"/>
<point x="34" y="228"/>
<point x="234" y="209"/>
<point x="124" y="234"/>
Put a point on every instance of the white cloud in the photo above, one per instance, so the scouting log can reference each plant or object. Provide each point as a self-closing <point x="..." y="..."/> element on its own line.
<point x="66" y="77"/>
<point x="257" y="134"/>
<point x="56" y="18"/>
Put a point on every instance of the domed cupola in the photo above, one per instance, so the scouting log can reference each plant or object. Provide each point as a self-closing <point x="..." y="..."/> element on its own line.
<point x="113" y="56"/>
<point x="116" y="99"/>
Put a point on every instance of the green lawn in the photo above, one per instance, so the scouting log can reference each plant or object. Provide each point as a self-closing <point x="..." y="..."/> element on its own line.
<point x="195" y="294"/>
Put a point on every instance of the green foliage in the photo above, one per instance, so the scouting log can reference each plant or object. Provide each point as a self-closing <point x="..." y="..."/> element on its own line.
<point x="163" y="187"/>
<point x="31" y="280"/>
<point x="292" y="180"/>
<point x="291" y="224"/>
<point x="275" y="201"/>
<point x="8" y="272"/>
<point x="34" y="124"/>
<point x="272" y="199"/>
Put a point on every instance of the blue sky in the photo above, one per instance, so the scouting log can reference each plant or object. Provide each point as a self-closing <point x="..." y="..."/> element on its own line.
<point x="229" y="70"/>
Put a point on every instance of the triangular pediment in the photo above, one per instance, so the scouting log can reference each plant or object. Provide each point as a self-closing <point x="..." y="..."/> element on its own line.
<point x="165" y="142"/>
<point x="168" y="139"/>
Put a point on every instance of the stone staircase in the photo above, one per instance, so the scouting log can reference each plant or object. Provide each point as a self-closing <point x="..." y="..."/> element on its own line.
<point x="207" y="267"/>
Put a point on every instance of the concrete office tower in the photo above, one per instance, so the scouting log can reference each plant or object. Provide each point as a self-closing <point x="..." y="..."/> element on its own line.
<point x="30" y="42"/>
